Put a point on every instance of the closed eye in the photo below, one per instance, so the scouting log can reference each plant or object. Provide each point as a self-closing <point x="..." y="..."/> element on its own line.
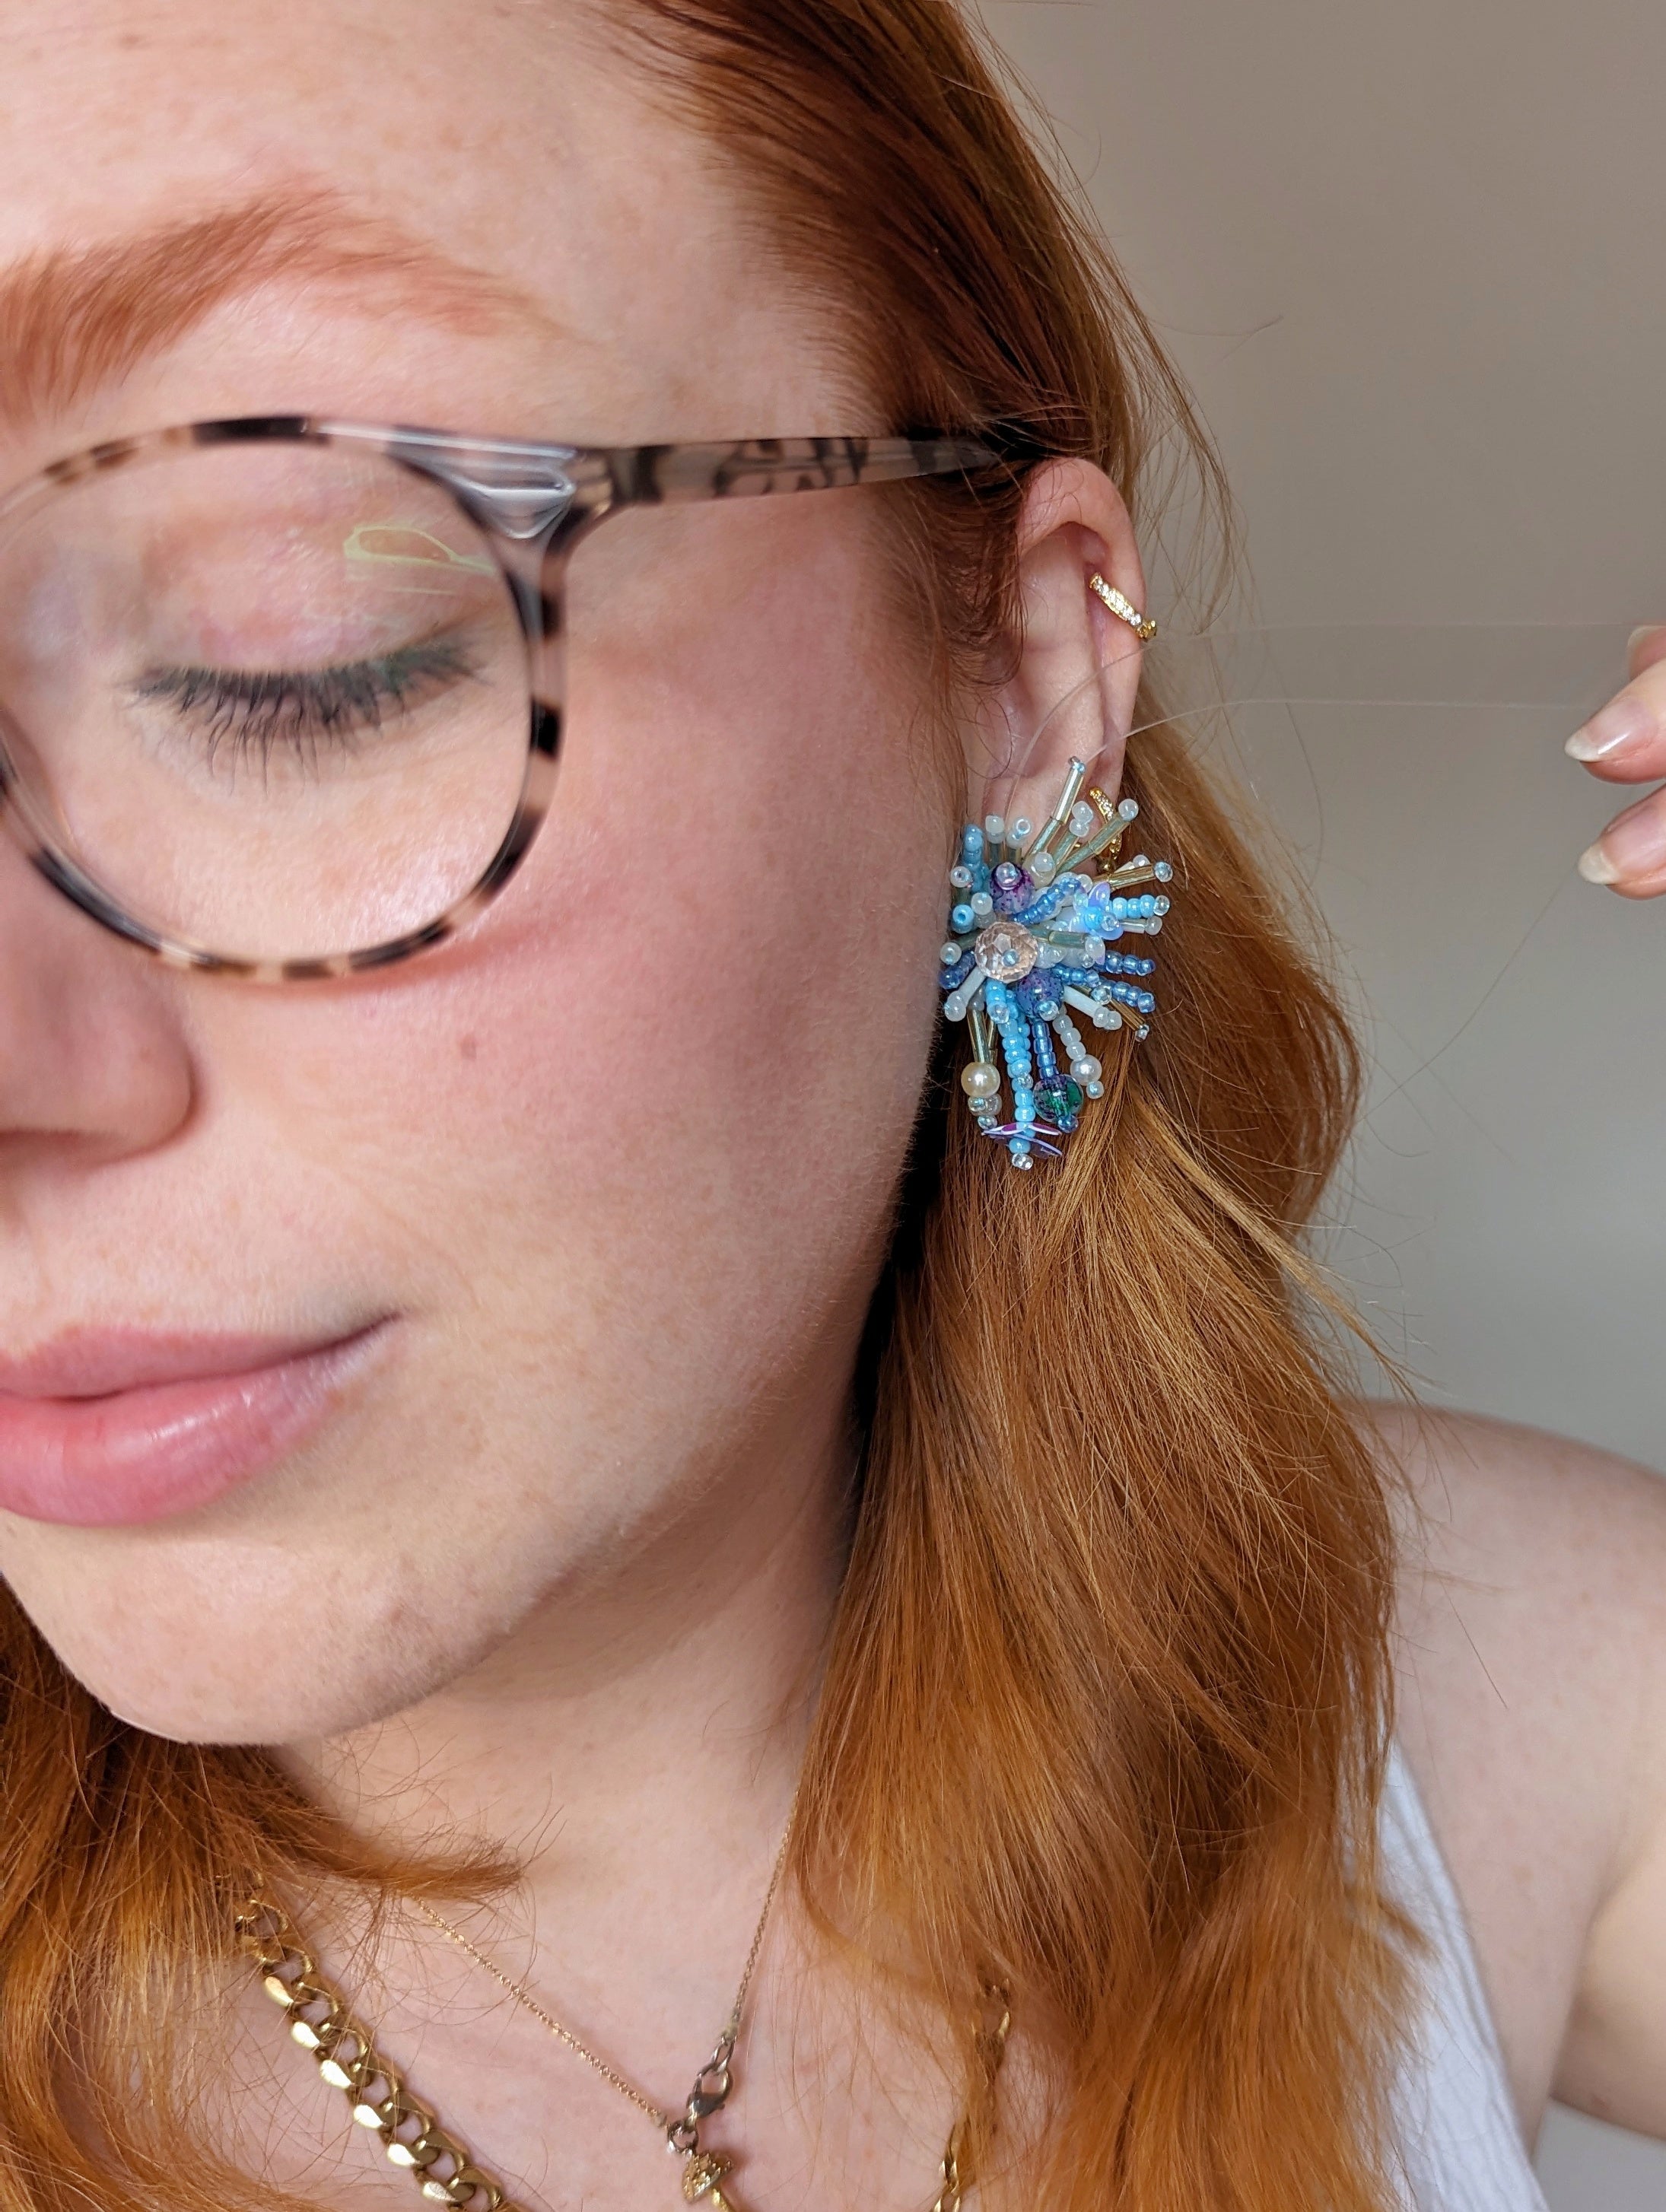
<point x="255" y="713"/>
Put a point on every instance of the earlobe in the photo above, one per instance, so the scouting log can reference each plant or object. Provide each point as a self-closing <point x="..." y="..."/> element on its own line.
<point x="1074" y="666"/>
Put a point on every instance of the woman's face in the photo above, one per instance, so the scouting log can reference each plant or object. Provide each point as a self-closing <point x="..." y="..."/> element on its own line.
<point x="593" y="1196"/>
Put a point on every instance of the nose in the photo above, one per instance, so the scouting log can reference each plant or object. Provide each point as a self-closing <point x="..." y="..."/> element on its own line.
<point x="93" y="1058"/>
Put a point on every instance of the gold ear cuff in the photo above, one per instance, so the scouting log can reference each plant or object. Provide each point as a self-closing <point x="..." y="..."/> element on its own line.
<point x="1143" y="626"/>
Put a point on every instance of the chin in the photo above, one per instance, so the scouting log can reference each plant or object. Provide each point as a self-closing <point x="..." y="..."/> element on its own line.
<point x="283" y="1667"/>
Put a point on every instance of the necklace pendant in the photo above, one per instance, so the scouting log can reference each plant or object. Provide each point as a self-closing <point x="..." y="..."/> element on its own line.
<point x="702" y="2170"/>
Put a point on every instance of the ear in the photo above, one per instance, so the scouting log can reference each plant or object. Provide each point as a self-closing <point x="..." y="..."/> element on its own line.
<point x="1074" y="666"/>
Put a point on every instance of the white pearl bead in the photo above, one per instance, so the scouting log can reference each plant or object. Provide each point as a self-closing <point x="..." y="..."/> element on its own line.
<point x="980" y="1079"/>
<point x="948" y="955"/>
<point x="1086" y="1069"/>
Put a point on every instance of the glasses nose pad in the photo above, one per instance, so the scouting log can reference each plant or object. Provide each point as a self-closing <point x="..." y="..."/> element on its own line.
<point x="29" y="813"/>
<point x="36" y="827"/>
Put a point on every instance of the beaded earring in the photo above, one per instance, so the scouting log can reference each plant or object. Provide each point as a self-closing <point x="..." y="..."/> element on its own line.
<point x="1031" y="927"/>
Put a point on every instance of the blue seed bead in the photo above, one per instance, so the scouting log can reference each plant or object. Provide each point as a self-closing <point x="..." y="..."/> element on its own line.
<point x="1017" y="1146"/>
<point x="971" y="841"/>
<point x="1023" y="1113"/>
<point x="1043" y="908"/>
<point x="961" y="918"/>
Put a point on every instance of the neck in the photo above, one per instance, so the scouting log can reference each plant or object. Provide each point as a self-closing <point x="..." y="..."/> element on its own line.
<point x="635" y="1742"/>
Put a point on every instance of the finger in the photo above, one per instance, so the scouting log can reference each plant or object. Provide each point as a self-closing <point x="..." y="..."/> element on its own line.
<point x="1644" y="646"/>
<point x="1630" y="855"/>
<point x="1624" y="742"/>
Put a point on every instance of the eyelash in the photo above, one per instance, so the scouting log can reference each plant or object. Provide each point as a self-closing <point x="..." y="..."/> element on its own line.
<point x="252" y="712"/>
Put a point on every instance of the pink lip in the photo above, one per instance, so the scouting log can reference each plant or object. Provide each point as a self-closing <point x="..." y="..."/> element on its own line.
<point x="108" y="1428"/>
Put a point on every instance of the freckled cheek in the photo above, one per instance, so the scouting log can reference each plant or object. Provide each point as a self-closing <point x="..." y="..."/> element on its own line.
<point x="743" y="855"/>
<point x="722" y="998"/>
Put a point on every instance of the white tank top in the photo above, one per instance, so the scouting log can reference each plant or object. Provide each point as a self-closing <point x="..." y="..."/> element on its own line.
<point x="1459" y="2141"/>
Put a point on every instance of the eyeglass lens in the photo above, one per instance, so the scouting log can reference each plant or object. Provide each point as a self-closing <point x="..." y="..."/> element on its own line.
<point x="273" y="698"/>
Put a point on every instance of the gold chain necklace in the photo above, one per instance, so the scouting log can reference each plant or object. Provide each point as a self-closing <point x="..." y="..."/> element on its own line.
<point x="322" y="2021"/>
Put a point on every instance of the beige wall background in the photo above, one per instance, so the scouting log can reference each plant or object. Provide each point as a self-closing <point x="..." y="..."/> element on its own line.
<point x="1411" y="260"/>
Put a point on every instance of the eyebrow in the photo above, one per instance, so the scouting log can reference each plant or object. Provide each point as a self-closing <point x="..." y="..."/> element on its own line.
<point x="76" y="320"/>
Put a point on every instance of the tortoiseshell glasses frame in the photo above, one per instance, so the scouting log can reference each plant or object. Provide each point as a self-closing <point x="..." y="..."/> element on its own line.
<point x="532" y="503"/>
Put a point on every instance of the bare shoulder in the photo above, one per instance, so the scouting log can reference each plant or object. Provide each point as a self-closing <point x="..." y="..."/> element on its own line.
<point x="1531" y="1679"/>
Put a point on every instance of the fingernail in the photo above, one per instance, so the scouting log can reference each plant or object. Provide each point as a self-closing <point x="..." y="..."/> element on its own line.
<point x="1624" y="723"/>
<point x="1644" y="632"/>
<point x="1595" y="866"/>
<point x="1633" y="846"/>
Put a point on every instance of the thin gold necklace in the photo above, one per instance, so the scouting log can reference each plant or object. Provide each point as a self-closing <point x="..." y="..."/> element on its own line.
<point x="702" y="2170"/>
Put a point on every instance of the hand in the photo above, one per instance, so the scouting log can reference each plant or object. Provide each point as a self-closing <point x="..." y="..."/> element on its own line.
<point x="1624" y="742"/>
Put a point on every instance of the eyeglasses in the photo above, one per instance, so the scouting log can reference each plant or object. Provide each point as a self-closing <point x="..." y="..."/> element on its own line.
<point x="282" y="698"/>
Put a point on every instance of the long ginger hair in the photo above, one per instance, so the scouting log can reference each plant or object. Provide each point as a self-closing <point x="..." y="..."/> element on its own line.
<point x="1109" y="1694"/>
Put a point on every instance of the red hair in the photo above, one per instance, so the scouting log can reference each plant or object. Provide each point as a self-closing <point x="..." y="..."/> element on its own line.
<point x="1109" y="1694"/>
